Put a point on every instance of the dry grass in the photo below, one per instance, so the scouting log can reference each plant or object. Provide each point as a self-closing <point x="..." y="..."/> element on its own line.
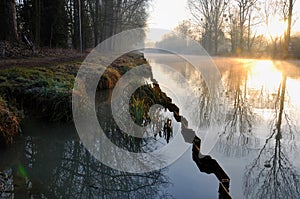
<point x="9" y="124"/>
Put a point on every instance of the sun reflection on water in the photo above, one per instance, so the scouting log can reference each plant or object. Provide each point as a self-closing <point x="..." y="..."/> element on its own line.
<point x="264" y="75"/>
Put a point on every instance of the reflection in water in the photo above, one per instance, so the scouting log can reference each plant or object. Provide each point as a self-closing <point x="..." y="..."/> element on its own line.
<point x="195" y="89"/>
<point x="65" y="169"/>
<point x="262" y="99"/>
<point x="237" y="135"/>
<point x="144" y="144"/>
<point x="57" y="165"/>
<point x="253" y="99"/>
<point x="272" y="174"/>
<point x="263" y="107"/>
<point x="256" y="92"/>
<point x="81" y="176"/>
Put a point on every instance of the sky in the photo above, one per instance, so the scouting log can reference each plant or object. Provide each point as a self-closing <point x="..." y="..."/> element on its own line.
<point x="166" y="14"/>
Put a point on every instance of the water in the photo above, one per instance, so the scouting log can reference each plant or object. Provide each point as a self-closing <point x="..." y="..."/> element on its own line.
<point x="258" y="140"/>
<point x="49" y="161"/>
<point x="256" y="123"/>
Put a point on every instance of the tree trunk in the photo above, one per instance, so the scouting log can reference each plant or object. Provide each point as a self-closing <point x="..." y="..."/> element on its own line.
<point x="8" y="22"/>
<point x="75" y="39"/>
<point x="289" y="27"/>
<point x="241" y="43"/>
<point x="80" y="25"/>
<point x="209" y="40"/>
<point x="249" y="34"/>
<point x="216" y="38"/>
<point x="96" y="31"/>
<point x="109" y="18"/>
<point x="37" y="31"/>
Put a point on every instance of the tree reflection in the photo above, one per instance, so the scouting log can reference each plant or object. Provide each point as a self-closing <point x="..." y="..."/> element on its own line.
<point x="237" y="134"/>
<point x="63" y="168"/>
<point x="81" y="176"/>
<point x="205" y="105"/>
<point x="59" y="166"/>
<point x="84" y="177"/>
<point x="272" y="174"/>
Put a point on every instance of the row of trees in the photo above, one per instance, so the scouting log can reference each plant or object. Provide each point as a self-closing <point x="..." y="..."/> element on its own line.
<point x="236" y="25"/>
<point x="237" y="20"/>
<point x="64" y="23"/>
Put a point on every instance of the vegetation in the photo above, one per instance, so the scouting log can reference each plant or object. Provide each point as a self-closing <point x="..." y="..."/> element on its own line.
<point x="143" y="98"/>
<point x="35" y="27"/>
<point x="73" y="24"/>
<point x="240" y="28"/>
<point x="138" y="110"/>
<point x="46" y="92"/>
<point x="9" y="124"/>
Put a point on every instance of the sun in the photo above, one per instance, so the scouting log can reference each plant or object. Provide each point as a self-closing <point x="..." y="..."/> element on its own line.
<point x="275" y="28"/>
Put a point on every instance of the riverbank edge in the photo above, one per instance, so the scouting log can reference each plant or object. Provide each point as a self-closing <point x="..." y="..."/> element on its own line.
<point x="46" y="92"/>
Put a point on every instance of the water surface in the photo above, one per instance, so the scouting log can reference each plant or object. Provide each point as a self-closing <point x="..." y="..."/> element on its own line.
<point x="255" y="120"/>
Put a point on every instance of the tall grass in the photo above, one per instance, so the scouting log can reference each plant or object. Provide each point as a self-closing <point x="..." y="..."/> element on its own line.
<point x="138" y="110"/>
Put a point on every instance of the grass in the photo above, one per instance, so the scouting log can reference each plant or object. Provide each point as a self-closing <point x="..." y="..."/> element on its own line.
<point x="46" y="92"/>
<point x="143" y="98"/>
<point x="138" y="110"/>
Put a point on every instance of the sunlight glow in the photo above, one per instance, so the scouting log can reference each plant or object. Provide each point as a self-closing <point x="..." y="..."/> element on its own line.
<point x="276" y="28"/>
<point x="263" y="74"/>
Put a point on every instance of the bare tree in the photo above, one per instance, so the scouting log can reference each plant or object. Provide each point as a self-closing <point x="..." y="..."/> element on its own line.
<point x="288" y="7"/>
<point x="209" y="15"/>
<point x="282" y="9"/>
<point x="269" y="10"/>
<point x="231" y="20"/>
<point x="244" y="11"/>
<point x="56" y="23"/>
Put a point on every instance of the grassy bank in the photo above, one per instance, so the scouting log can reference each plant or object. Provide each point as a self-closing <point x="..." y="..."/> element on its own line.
<point x="46" y="92"/>
<point x="146" y="96"/>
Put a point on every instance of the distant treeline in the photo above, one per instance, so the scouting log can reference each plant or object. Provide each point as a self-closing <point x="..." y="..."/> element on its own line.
<point x="240" y="28"/>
